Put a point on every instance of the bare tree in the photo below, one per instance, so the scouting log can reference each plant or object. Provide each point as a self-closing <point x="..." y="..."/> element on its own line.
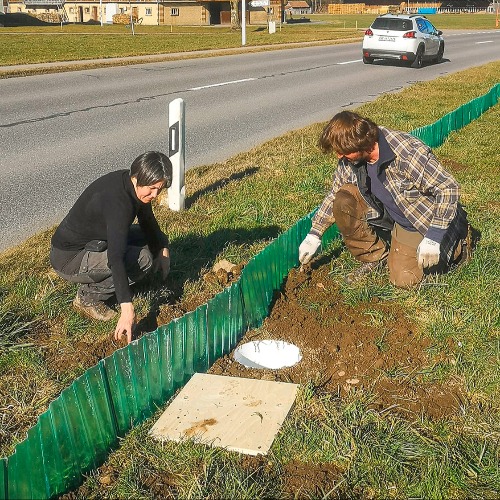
<point x="235" y="19"/>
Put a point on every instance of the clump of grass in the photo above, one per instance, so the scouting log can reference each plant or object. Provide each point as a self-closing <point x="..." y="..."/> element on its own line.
<point x="12" y="328"/>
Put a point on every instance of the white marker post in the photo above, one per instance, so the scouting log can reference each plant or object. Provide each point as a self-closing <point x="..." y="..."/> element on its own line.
<point x="176" y="153"/>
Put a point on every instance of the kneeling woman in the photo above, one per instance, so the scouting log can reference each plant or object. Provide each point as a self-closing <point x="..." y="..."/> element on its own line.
<point x="98" y="246"/>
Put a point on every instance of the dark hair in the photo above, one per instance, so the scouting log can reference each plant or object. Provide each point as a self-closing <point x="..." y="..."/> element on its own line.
<point x="348" y="132"/>
<point x="152" y="167"/>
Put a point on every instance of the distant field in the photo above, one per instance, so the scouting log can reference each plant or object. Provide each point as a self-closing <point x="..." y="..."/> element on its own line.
<point x="37" y="44"/>
<point x="441" y="21"/>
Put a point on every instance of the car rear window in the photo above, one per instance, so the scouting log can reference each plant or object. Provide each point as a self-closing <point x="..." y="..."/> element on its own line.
<point x="392" y="24"/>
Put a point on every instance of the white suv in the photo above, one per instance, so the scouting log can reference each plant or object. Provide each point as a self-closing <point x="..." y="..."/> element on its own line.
<point x="410" y="38"/>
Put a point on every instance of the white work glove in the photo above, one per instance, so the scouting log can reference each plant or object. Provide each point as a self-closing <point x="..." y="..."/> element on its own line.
<point x="308" y="248"/>
<point x="428" y="253"/>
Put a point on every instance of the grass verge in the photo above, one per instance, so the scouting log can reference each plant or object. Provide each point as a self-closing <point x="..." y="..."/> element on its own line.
<point x="234" y="208"/>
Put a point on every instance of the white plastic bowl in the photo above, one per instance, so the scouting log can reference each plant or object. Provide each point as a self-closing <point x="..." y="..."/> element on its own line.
<point x="271" y="354"/>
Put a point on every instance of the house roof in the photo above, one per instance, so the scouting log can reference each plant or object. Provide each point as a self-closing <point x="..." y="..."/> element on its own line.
<point x="297" y="4"/>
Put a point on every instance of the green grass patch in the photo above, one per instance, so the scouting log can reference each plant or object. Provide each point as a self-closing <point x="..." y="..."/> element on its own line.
<point x="47" y="44"/>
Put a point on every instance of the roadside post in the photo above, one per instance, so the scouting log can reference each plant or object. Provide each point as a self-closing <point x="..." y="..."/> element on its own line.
<point x="176" y="153"/>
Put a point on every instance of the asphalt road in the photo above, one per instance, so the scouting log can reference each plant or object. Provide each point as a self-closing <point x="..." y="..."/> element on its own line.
<point x="60" y="131"/>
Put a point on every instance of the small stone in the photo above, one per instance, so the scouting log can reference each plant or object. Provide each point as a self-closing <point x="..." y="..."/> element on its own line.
<point x="105" y="480"/>
<point x="223" y="264"/>
<point x="352" y="381"/>
<point x="341" y="373"/>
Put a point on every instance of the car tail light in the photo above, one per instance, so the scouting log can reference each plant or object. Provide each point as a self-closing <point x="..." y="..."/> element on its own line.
<point x="369" y="32"/>
<point x="410" y="34"/>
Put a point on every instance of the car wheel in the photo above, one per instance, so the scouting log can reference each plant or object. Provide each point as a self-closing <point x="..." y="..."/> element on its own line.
<point x="440" y="53"/>
<point x="368" y="60"/>
<point x="419" y="58"/>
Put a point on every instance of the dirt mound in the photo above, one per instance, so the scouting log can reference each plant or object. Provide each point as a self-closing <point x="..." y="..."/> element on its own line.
<point x="317" y="479"/>
<point x="371" y="345"/>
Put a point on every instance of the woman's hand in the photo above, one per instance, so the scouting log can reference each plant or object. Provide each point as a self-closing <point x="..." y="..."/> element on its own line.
<point x="162" y="262"/>
<point x="126" y="322"/>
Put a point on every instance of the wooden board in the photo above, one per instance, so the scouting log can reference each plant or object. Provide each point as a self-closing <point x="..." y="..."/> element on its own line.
<point x="238" y="414"/>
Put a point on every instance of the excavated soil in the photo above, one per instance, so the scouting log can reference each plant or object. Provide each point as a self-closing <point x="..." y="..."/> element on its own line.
<point x="372" y="345"/>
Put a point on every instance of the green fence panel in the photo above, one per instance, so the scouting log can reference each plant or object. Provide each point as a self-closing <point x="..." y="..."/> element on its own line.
<point x="126" y="382"/>
<point x="183" y="349"/>
<point x="197" y="341"/>
<point x="225" y="321"/>
<point x="189" y="344"/>
<point x="165" y="361"/>
<point x="178" y="340"/>
<point x="3" y="478"/>
<point x="436" y="133"/>
<point x="255" y="301"/>
<point x="152" y="366"/>
<point x="72" y="437"/>
<point x="55" y="466"/>
<point x="19" y="484"/>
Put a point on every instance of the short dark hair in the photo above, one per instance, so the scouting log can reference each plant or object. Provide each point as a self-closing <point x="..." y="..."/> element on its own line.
<point x="152" y="167"/>
<point x="348" y="132"/>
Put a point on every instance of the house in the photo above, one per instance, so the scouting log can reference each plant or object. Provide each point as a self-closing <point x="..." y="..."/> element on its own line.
<point x="147" y="12"/>
<point x="297" y="7"/>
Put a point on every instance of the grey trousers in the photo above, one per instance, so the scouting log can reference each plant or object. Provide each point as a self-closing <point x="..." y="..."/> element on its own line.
<point x="90" y="269"/>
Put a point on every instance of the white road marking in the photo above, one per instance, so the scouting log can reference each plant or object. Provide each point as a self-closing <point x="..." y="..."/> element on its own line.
<point x="223" y="83"/>
<point x="487" y="41"/>
<point x="350" y="62"/>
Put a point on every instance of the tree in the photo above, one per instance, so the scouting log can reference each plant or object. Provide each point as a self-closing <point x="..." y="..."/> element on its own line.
<point x="235" y="19"/>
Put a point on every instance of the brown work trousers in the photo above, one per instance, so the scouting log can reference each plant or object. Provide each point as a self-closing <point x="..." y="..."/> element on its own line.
<point x="371" y="244"/>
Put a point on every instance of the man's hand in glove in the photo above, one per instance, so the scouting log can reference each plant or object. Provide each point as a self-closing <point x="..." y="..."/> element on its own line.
<point x="428" y="253"/>
<point x="308" y="248"/>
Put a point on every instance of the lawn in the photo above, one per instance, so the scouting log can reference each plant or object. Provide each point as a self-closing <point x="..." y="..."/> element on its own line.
<point x="233" y="210"/>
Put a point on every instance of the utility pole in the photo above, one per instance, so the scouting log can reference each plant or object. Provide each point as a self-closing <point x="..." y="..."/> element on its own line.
<point x="243" y="23"/>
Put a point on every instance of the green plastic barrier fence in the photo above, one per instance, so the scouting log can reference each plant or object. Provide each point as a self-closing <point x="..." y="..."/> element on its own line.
<point x="436" y="133"/>
<point x="81" y="427"/>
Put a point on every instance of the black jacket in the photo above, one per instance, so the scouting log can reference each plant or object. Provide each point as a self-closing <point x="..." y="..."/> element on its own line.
<point x="105" y="211"/>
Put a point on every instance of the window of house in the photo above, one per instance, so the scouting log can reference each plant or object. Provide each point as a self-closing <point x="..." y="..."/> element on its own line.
<point x="71" y="10"/>
<point x="174" y="11"/>
<point x="87" y="10"/>
<point x="149" y="12"/>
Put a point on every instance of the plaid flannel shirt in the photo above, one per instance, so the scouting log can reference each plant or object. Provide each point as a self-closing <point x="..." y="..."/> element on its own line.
<point x="423" y="190"/>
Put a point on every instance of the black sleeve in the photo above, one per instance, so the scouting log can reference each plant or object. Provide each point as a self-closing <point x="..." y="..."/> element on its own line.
<point x="117" y="226"/>
<point x="155" y="238"/>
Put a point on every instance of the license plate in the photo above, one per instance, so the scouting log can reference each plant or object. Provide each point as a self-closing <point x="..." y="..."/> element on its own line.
<point x="387" y="38"/>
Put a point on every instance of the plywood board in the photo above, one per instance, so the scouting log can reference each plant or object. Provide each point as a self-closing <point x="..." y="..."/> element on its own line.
<point x="238" y="414"/>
